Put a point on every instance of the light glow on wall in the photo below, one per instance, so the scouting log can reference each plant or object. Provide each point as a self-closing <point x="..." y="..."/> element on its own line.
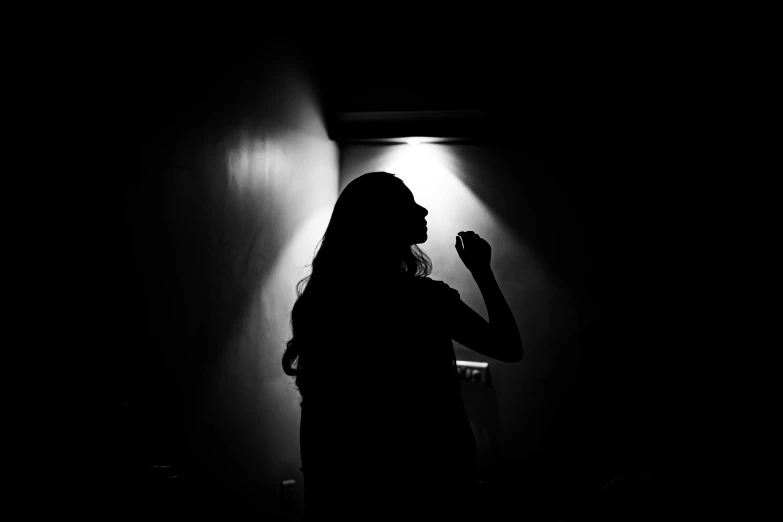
<point x="423" y="171"/>
<point x="452" y="207"/>
<point x="434" y="172"/>
<point x="251" y="162"/>
<point x="428" y="171"/>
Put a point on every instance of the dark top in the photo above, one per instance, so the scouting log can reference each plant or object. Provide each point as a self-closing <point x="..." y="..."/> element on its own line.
<point x="383" y="423"/>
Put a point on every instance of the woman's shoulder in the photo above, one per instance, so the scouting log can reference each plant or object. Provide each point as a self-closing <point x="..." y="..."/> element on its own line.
<point x="435" y="288"/>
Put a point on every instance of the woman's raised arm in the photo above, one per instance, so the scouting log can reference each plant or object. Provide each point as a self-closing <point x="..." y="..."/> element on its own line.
<point x="500" y="337"/>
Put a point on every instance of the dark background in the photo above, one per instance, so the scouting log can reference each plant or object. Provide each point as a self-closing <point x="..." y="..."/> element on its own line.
<point x="172" y="84"/>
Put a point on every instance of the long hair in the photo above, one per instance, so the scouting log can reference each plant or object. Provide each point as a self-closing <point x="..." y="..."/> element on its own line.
<point x="364" y="217"/>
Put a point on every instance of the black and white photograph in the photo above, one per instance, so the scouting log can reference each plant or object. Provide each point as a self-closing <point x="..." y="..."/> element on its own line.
<point x="397" y="267"/>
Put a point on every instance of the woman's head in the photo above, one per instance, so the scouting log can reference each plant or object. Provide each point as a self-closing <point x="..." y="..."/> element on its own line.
<point x="371" y="237"/>
<point x="377" y="210"/>
<point x="377" y="222"/>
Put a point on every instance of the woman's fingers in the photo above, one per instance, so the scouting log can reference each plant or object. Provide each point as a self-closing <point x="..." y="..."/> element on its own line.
<point x="474" y="251"/>
<point x="471" y="241"/>
<point x="467" y="238"/>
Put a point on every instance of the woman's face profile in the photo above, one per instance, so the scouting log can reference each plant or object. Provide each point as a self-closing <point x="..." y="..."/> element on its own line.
<point x="413" y="224"/>
<point x="389" y="215"/>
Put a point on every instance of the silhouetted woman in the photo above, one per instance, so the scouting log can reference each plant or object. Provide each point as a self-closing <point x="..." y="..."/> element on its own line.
<point x="384" y="432"/>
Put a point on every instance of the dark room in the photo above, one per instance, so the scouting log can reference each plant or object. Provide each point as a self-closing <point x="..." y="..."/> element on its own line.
<point x="534" y="188"/>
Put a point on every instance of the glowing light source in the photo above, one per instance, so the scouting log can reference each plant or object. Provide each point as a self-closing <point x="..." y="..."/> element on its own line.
<point x="418" y="140"/>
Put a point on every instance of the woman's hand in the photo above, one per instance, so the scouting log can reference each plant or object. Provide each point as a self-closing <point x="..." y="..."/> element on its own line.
<point x="474" y="251"/>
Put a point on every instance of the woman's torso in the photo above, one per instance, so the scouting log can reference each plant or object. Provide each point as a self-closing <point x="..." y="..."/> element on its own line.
<point x="383" y="409"/>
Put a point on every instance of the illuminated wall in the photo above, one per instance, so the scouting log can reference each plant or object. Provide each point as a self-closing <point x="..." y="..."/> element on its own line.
<point x="437" y="178"/>
<point x="233" y="184"/>
<point x="284" y="181"/>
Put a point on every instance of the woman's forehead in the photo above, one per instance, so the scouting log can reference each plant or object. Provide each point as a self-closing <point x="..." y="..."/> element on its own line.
<point x="407" y="192"/>
<point x="397" y="192"/>
<point x="403" y="191"/>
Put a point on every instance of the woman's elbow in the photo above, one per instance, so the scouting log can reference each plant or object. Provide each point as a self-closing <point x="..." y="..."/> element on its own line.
<point x="506" y="350"/>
